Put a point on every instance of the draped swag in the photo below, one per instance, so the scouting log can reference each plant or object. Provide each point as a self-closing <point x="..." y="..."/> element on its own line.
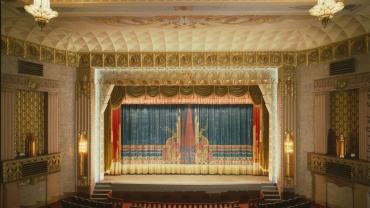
<point x="119" y="92"/>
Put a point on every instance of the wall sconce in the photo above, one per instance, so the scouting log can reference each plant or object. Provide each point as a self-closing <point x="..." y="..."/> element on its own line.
<point x="288" y="149"/>
<point x="82" y="144"/>
<point x="341" y="146"/>
<point x="82" y="151"/>
<point x="289" y="146"/>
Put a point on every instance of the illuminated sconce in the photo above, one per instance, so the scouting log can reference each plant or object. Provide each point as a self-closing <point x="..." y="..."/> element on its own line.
<point x="82" y="144"/>
<point x="289" y="146"/>
<point x="82" y="150"/>
<point x="341" y="146"/>
<point x="289" y="149"/>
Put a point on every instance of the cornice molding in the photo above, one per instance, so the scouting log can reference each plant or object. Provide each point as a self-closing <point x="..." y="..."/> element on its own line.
<point x="26" y="82"/>
<point x="36" y="52"/>
<point x="342" y="82"/>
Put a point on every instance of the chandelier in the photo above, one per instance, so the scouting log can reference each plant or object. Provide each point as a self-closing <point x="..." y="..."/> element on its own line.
<point x="325" y="10"/>
<point x="41" y="11"/>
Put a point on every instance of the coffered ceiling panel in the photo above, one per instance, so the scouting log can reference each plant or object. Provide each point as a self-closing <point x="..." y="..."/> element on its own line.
<point x="160" y="25"/>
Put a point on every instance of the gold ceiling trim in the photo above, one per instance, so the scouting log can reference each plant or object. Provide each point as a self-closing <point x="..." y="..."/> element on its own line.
<point x="36" y="52"/>
<point x="173" y="1"/>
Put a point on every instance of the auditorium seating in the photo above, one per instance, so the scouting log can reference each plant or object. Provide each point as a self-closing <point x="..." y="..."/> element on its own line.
<point x="184" y="205"/>
<point x="296" y="202"/>
<point x="188" y="196"/>
<point x="80" y="202"/>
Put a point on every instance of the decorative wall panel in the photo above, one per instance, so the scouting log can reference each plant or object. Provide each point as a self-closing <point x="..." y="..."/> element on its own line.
<point x="29" y="118"/>
<point x="344" y="112"/>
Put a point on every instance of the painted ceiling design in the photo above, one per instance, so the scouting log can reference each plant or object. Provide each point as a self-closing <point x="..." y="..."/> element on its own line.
<point x="177" y="28"/>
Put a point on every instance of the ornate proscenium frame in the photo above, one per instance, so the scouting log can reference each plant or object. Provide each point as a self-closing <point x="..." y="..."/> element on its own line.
<point x="13" y="170"/>
<point x="281" y="81"/>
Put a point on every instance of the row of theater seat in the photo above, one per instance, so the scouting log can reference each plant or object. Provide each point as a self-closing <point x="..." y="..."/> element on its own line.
<point x="184" y="205"/>
<point x="80" y="202"/>
<point x="296" y="202"/>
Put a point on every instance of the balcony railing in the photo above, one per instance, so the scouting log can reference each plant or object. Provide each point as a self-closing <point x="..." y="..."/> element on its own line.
<point x="355" y="171"/>
<point x="23" y="168"/>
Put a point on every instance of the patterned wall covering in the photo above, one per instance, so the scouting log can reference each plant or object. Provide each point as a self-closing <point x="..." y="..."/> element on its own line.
<point x="344" y="108"/>
<point x="29" y="118"/>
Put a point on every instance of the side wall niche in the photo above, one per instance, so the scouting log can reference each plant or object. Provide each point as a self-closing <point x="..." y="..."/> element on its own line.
<point x="31" y="118"/>
<point x="344" y="120"/>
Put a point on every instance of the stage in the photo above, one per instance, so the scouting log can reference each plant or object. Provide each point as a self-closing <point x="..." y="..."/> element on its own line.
<point x="206" y="183"/>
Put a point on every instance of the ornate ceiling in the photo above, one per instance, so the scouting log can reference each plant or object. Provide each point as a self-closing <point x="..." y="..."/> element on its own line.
<point x="197" y="26"/>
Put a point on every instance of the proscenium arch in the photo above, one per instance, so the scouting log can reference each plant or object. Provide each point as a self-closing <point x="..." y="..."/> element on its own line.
<point x="104" y="80"/>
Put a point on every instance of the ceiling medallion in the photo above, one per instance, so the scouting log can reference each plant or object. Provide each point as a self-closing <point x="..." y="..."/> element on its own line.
<point x="41" y="11"/>
<point x="325" y="10"/>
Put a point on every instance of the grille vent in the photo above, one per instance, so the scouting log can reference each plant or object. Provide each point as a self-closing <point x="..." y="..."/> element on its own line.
<point x="35" y="168"/>
<point x="25" y="67"/>
<point x="342" y="67"/>
<point x="339" y="170"/>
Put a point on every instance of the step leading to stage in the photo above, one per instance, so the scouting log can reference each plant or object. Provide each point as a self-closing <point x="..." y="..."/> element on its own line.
<point x="270" y="192"/>
<point x="101" y="191"/>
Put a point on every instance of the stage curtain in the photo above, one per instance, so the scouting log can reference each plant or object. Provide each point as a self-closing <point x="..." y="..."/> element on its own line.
<point x="117" y="96"/>
<point x="170" y="91"/>
<point x="116" y="132"/>
<point x="221" y="90"/>
<point x="204" y="91"/>
<point x="256" y="138"/>
<point x="152" y="91"/>
<point x="187" y="139"/>
<point x="108" y="145"/>
<point x="136" y="91"/>
<point x="186" y="90"/>
<point x="264" y="141"/>
<point x="256" y="94"/>
<point x="238" y="90"/>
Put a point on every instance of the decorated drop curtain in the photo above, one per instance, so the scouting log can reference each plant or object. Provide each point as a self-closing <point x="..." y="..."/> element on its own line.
<point x="187" y="134"/>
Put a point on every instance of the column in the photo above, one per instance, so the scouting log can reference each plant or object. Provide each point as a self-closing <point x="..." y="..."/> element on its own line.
<point x="9" y="192"/>
<point x="287" y="107"/>
<point x="53" y="137"/>
<point x="7" y="124"/>
<point x="321" y="122"/>
<point x="363" y="123"/>
<point x="83" y="128"/>
<point x="321" y="126"/>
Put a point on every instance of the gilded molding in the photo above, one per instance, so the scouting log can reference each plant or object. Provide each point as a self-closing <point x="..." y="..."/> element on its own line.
<point x="28" y="83"/>
<point x="47" y="54"/>
<point x="334" y="83"/>
<point x="12" y="169"/>
<point x="360" y="173"/>
<point x="32" y="51"/>
<point x="339" y="50"/>
<point x="186" y="76"/>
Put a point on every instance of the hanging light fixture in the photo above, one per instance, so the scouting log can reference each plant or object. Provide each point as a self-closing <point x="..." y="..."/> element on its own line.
<point x="325" y="10"/>
<point x="41" y="11"/>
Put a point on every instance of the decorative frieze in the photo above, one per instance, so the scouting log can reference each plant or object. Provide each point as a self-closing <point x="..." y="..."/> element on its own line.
<point x="339" y="50"/>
